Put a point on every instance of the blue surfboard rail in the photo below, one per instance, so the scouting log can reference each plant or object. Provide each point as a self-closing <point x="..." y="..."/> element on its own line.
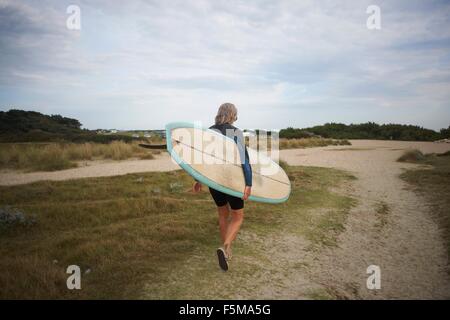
<point x="201" y="178"/>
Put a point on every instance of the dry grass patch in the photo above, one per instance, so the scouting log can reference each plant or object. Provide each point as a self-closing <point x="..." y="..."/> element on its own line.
<point x="310" y="143"/>
<point x="59" y="156"/>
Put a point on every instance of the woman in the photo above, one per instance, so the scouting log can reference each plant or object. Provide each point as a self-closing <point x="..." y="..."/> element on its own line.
<point x="228" y="205"/>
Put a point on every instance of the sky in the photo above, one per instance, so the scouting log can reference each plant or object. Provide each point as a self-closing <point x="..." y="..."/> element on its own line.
<point x="299" y="63"/>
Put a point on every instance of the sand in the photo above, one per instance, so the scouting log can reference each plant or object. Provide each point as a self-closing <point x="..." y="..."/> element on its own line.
<point x="408" y="249"/>
<point x="89" y="169"/>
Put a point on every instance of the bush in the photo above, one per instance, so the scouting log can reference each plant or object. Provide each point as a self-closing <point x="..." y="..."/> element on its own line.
<point x="12" y="217"/>
<point x="412" y="156"/>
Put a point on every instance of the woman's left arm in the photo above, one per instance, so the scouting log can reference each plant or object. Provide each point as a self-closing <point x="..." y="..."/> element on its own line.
<point x="245" y="162"/>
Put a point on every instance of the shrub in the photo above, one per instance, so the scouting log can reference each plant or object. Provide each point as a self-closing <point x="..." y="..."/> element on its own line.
<point x="12" y="217"/>
<point x="411" y="156"/>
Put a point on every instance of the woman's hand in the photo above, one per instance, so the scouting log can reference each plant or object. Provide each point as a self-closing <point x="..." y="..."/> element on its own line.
<point x="247" y="192"/>
<point x="197" y="187"/>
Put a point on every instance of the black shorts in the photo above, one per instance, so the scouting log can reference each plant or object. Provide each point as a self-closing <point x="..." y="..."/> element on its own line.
<point x="222" y="199"/>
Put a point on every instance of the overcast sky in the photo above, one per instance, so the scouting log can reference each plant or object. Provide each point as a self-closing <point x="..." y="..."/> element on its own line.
<point x="141" y="64"/>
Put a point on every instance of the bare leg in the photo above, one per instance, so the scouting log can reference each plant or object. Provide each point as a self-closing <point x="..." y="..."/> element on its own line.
<point x="233" y="228"/>
<point x="224" y="214"/>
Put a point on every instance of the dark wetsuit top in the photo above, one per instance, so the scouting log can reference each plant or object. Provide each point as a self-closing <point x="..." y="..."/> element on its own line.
<point x="220" y="198"/>
<point x="234" y="133"/>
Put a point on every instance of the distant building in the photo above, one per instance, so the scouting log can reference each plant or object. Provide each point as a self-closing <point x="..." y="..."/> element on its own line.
<point x="161" y="133"/>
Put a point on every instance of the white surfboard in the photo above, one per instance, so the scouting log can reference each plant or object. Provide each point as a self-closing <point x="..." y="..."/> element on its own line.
<point x="213" y="159"/>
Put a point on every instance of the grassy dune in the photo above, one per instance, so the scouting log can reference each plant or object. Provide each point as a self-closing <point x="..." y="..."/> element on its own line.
<point x="146" y="235"/>
<point x="58" y="156"/>
<point x="311" y="143"/>
<point x="300" y="143"/>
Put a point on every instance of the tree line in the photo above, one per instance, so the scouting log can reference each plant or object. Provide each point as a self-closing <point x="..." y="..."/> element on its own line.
<point x="369" y="130"/>
<point x="22" y="126"/>
<point x="30" y="126"/>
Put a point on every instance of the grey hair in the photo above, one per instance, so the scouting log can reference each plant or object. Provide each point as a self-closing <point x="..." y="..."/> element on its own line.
<point x="227" y="113"/>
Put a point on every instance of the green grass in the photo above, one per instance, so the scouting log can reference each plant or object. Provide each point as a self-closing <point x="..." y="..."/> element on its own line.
<point x="142" y="238"/>
<point x="320" y="294"/>
<point x="434" y="184"/>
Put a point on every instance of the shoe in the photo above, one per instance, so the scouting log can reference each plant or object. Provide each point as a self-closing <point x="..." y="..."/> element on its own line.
<point x="222" y="259"/>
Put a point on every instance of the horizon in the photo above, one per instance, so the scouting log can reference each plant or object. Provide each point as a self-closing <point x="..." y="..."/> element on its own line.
<point x="246" y="128"/>
<point x="284" y="64"/>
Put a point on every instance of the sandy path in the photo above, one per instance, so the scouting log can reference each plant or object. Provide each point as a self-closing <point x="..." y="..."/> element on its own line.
<point x="161" y="163"/>
<point x="408" y="247"/>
